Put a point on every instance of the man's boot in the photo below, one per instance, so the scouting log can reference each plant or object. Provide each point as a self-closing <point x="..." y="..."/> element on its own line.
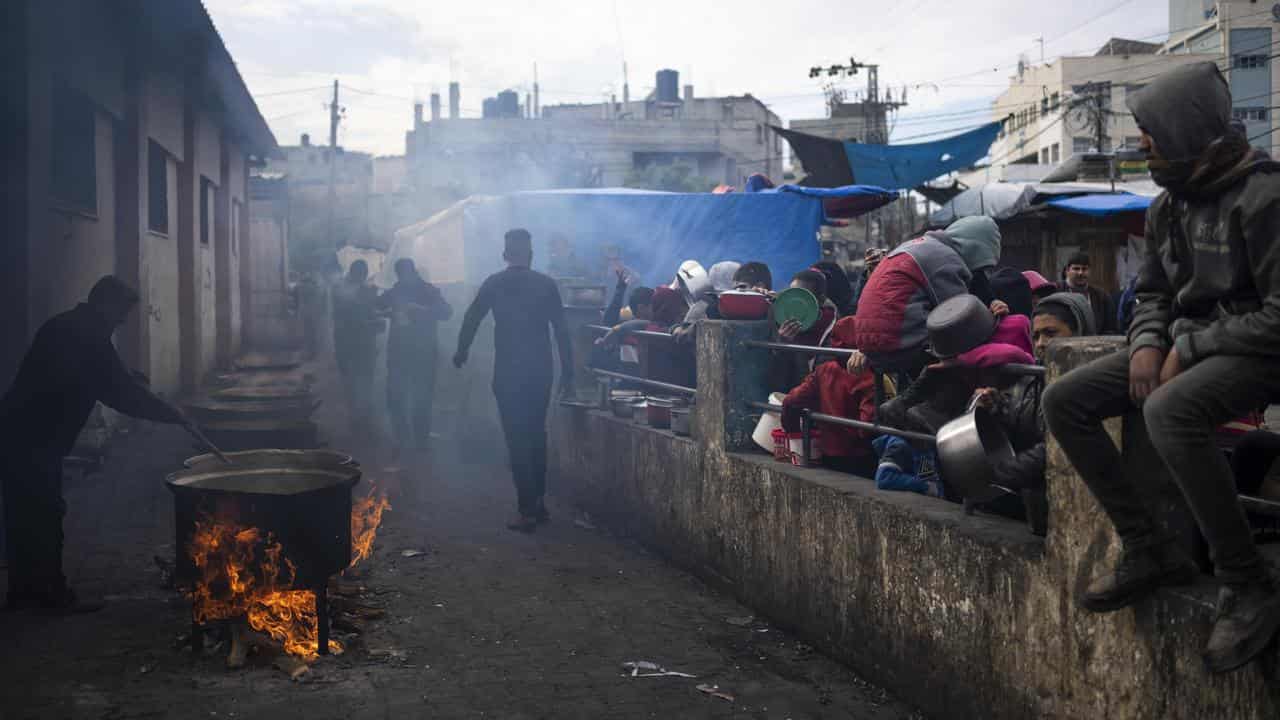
<point x="540" y="514"/>
<point x="1138" y="572"/>
<point x="522" y="523"/>
<point x="1247" y="619"/>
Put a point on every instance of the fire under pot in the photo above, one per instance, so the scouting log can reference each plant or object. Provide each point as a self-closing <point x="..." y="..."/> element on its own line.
<point x="299" y="510"/>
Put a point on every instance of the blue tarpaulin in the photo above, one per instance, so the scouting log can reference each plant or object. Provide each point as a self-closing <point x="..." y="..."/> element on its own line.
<point x="1101" y="205"/>
<point x="902" y="167"/>
<point x="846" y="202"/>
<point x="653" y="231"/>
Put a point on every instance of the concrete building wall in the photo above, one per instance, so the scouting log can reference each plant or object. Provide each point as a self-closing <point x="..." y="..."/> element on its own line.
<point x="162" y="299"/>
<point x="63" y="236"/>
<point x="1043" y="131"/>
<point x="727" y="139"/>
<point x="267" y="322"/>
<point x="80" y="247"/>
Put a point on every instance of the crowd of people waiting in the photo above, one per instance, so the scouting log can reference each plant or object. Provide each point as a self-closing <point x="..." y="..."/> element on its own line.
<point x="943" y="323"/>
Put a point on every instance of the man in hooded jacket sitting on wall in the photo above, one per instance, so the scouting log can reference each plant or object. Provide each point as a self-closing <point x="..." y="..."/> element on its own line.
<point x="1204" y="348"/>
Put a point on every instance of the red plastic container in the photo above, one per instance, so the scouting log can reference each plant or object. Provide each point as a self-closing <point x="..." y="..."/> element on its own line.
<point x="789" y="447"/>
<point x="743" y="305"/>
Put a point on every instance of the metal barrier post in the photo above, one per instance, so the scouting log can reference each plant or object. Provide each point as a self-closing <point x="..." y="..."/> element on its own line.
<point x="806" y="437"/>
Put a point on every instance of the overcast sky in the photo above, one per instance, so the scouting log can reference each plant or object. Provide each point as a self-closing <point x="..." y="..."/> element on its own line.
<point x="952" y="56"/>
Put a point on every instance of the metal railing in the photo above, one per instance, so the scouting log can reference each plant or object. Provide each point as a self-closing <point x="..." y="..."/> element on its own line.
<point x="658" y="384"/>
<point x="1011" y="368"/>
<point x="650" y="334"/>
<point x="855" y="424"/>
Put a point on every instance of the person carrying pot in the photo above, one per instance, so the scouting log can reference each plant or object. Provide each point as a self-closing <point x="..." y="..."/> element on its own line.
<point x="1019" y="411"/>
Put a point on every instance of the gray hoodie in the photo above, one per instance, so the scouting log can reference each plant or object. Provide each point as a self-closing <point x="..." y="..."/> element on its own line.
<point x="1209" y="282"/>
<point x="1078" y="306"/>
<point x="977" y="239"/>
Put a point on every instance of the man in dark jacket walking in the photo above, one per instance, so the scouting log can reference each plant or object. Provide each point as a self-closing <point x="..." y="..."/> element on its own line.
<point x="1204" y="347"/>
<point x="70" y="366"/>
<point x="355" y="334"/>
<point x="524" y="303"/>
<point x="416" y="308"/>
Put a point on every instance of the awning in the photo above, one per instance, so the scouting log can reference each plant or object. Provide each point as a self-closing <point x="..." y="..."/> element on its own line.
<point x="999" y="201"/>
<point x="1102" y="205"/>
<point x="833" y="163"/>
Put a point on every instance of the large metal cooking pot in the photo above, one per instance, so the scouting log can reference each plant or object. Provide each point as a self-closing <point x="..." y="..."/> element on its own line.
<point x="272" y="458"/>
<point x="306" y="510"/>
<point x="692" y="281"/>
<point x="263" y="393"/>
<point x="969" y="448"/>
<point x="959" y="325"/>
<point x="237" y="435"/>
<point x="279" y="360"/>
<point x="215" y="411"/>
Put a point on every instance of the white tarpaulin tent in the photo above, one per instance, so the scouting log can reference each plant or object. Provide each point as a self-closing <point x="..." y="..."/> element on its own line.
<point x="436" y="245"/>
<point x="1002" y="201"/>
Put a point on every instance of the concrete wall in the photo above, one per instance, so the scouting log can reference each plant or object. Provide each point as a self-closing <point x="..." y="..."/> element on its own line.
<point x="57" y="252"/>
<point x="964" y="616"/>
<point x="267" y="322"/>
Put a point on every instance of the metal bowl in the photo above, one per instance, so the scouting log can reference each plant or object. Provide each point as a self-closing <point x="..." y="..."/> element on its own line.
<point x="969" y="448"/>
<point x="625" y="407"/>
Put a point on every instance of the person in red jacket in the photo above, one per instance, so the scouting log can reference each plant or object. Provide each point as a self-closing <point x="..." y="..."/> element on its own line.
<point x="832" y="390"/>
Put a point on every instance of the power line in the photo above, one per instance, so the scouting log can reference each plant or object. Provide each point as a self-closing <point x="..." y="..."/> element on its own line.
<point x="290" y="92"/>
<point x="1090" y="21"/>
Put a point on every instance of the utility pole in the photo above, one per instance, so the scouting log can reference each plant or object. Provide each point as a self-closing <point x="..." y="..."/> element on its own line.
<point x="1099" y="116"/>
<point x="874" y="110"/>
<point x="334" y="117"/>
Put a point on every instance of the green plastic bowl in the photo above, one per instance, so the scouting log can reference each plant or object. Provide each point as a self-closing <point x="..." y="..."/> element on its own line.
<point x="796" y="304"/>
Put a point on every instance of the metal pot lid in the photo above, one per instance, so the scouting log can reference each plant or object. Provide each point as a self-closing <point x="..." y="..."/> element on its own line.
<point x="274" y="457"/>
<point x="959" y="325"/>
<point x="247" y="393"/>
<point x="278" y="481"/>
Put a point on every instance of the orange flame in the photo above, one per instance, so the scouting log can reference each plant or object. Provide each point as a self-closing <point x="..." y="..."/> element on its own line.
<point x="242" y="574"/>
<point x="366" y="516"/>
<point x="233" y="582"/>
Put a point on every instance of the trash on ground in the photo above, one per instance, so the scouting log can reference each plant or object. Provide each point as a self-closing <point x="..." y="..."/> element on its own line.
<point x="741" y="621"/>
<point x="650" y="669"/>
<point x="715" y="691"/>
<point x="584" y="523"/>
<point x="291" y="666"/>
<point x="389" y="654"/>
<point x="411" y="553"/>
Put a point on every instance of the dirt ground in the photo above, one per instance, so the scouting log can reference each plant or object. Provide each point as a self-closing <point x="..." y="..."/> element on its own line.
<point x="481" y="622"/>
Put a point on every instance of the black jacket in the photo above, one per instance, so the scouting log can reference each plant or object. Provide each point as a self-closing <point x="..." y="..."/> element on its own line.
<point x="70" y="366"/>
<point x="1021" y="416"/>
<point x="1209" y="283"/>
